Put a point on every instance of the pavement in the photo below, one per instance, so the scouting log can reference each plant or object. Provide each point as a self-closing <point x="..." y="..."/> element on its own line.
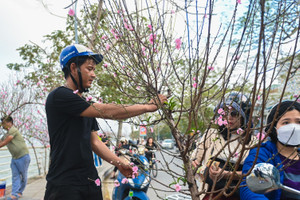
<point x="35" y="188"/>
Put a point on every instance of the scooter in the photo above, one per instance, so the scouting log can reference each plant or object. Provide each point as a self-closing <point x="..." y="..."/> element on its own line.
<point x="265" y="178"/>
<point x="136" y="188"/>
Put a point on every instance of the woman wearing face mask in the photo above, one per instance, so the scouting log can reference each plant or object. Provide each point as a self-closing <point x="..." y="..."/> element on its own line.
<point x="224" y="145"/>
<point x="282" y="151"/>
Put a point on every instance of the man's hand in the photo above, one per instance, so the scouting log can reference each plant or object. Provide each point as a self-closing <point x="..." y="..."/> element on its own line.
<point x="126" y="170"/>
<point x="157" y="102"/>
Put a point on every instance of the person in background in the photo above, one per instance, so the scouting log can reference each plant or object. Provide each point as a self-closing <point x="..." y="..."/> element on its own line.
<point x="72" y="129"/>
<point x="142" y="142"/>
<point x="222" y="145"/>
<point x="150" y="145"/>
<point x="20" y="156"/>
<point x="105" y="140"/>
<point x="282" y="151"/>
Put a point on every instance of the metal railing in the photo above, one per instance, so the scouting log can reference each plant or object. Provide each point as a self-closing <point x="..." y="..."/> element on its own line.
<point x="38" y="166"/>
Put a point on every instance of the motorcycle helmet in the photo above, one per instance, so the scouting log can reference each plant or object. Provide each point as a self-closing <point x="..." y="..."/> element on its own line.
<point x="73" y="51"/>
<point x="122" y="139"/>
<point x="76" y="50"/>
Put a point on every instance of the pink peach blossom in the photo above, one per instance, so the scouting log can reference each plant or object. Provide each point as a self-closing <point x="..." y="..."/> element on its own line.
<point x="152" y="38"/>
<point x="260" y="136"/>
<point x="124" y="181"/>
<point x="71" y="12"/>
<point x="194" y="85"/>
<point x="107" y="47"/>
<point x="104" y="37"/>
<point x="239" y="131"/>
<point x="126" y="25"/>
<point x="221" y="111"/>
<point x="177" y="187"/>
<point x="178" y="43"/>
<point x="117" y="184"/>
<point x="135" y="169"/>
<point x="130" y="28"/>
<point x="211" y="68"/>
<point x="258" y="97"/>
<point x="88" y="98"/>
<point x="97" y="182"/>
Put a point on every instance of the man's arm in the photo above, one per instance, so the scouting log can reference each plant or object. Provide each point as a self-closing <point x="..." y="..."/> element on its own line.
<point x="6" y="140"/>
<point x="101" y="150"/>
<point x="117" y="111"/>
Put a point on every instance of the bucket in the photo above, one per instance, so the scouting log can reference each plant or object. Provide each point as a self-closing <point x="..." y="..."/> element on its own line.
<point x="2" y="188"/>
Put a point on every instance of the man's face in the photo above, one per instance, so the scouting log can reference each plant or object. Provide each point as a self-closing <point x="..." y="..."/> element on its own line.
<point x="4" y="125"/>
<point x="87" y="73"/>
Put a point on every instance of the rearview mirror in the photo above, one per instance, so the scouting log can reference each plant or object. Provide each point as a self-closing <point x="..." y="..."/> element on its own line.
<point x="265" y="178"/>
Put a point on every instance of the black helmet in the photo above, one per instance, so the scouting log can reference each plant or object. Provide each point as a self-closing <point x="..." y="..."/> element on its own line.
<point x="284" y="106"/>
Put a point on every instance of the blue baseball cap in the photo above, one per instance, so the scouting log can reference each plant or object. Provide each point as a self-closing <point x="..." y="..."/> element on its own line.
<point x="77" y="50"/>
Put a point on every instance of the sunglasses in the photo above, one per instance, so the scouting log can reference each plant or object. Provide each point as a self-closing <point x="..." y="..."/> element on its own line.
<point x="234" y="113"/>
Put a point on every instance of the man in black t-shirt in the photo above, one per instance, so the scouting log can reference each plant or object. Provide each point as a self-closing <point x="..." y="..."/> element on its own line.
<point x="72" y="129"/>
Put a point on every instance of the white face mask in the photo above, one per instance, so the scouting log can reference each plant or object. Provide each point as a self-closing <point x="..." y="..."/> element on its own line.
<point x="289" y="134"/>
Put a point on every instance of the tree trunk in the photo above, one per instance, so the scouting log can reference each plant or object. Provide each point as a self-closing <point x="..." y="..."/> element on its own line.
<point x="120" y="122"/>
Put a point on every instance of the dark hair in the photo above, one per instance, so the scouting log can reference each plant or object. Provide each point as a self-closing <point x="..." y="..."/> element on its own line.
<point x="79" y="60"/>
<point x="284" y="107"/>
<point x="7" y="119"/>
<point x="149" y="139"/>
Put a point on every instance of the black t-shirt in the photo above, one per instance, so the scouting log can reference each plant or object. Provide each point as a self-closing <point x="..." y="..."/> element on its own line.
<point x="71" y="158"/>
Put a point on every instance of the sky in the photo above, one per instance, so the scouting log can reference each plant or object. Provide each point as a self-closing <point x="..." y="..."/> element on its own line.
<point x="26" y="21"/>
<point x="23" y="21"/>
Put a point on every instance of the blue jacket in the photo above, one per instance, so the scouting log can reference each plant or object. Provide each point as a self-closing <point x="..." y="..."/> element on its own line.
<point x="267" y="153"/>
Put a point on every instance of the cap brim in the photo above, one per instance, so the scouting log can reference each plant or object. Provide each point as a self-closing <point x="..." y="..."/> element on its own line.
<point x="97" y="57"/>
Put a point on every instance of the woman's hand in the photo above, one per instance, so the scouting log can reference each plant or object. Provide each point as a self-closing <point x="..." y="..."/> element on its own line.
<point x="195" y="163"/>
<point x="215" y="173"/>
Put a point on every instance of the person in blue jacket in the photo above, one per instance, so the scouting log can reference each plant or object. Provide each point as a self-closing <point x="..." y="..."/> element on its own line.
<point x="282" y="151"/>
